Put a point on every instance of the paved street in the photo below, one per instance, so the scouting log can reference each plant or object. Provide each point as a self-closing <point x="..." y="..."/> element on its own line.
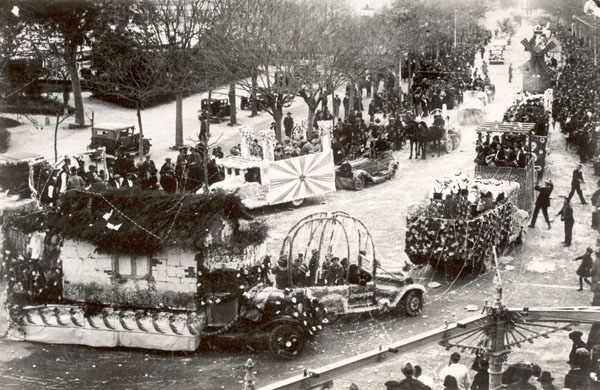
<point x="383" y="209"/>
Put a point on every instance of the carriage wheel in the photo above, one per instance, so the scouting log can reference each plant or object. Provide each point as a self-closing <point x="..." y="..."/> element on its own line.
<point x="448" y="144"/>
<point x="412" y="303"/>
<point x="455" y="142"/>
<point x="359" y="182"/>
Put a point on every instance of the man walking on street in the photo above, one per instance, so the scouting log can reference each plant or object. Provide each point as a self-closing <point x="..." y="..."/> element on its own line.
<point x="566" y="215"/>
<point x="576" y="184"/>
<point x="542" y="202"/>
<point x="510" y="72"/>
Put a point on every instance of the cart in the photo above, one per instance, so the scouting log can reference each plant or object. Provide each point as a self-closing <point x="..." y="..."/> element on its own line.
<point x="472" y="109"/>
<point x="452" y="135"/>
<point x="363" y="286"/>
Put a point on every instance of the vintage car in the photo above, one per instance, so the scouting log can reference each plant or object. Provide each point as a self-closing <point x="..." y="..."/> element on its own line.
<point x="362" y="285"/>
<point x="117" y="138"/>
<point x="217" y="109"/>
<point x="246" y="103"/>
<point x="496" y="57"/>
<point x="354" y="174"/>
<point x="473" y="107"/>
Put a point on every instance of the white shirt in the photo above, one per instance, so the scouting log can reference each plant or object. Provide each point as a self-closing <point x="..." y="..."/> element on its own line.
<point x="426" y="380"/>
<point x="460" y="372"/>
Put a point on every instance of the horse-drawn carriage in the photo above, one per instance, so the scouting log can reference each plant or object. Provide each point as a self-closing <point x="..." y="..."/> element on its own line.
<point x="441" y="132"/>
<point x="353" y="284"/>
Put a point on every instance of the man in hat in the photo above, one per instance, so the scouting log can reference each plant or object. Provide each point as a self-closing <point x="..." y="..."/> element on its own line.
<point x="167" y="176"/>
<point x="578" y="343"/>
<point x="335" y="276"/>
<point x="542" y="203"/>
<point x="288" y="125"/>
<point x="576" y="184"/>
<point x="578" y="375"/>
<point x="523" y="373"/>
<point x="282" y="279"/>
<point x="336" y="105"/>
<point x="457" y="370"/>
<point x="408" y="383"/>
<point x="566" y="215"/>
<point x="546" y="381"/>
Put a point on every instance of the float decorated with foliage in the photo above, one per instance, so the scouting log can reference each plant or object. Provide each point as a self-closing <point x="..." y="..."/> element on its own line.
<point x="464" y="219"/>
<point x="147" y="269"/>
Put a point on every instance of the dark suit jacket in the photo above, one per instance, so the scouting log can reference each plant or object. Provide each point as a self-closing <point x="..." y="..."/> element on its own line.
<point x="567" y="214"/>
<point x="577" y="178"/>
<point x="543" y="198"/>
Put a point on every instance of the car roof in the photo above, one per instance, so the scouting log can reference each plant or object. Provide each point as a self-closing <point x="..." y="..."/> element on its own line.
<point x="111" y="126"/>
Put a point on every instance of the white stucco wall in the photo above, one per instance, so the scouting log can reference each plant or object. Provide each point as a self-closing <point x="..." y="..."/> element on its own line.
<point x="173" y="270"/>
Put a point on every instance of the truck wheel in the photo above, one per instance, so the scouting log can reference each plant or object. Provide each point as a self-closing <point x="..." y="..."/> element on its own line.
<point x="286" y="341"/>
<point x="358" y="183"/>
<point x="412" y="303"/>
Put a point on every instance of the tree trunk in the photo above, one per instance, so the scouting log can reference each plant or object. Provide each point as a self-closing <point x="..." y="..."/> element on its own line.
<point x="138" y="107"/>
<point x="233" y="115"/>
<point x="253" y="94"/>
<point x="179" y="119"/>
<point x="205" y="147"/>
<point x="55" y="136"/>
<point x="75" y="86"/>
<point x="312" y="107"/>
<point x="277" y="118"/>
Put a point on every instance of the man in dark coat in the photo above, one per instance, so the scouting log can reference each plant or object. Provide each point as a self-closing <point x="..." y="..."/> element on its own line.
<point x="288" y="125"/>
<point x="578" y="376"/>
<point x="167" y="176"/>
<point x="542" y="202"/>
<point x="566" y="215"/>
<point x="576" y="184"/>
<point x="578" y="343"/>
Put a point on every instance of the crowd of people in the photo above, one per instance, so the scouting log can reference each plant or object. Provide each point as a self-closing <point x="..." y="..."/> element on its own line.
<point x="331" y="272"/>
<point x="576" y="103"/>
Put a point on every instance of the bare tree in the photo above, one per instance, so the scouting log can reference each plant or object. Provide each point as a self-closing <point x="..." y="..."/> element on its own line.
<point x="261" y="45"/>
<point x="131" y="67"/>
<point x="178" y="26"/>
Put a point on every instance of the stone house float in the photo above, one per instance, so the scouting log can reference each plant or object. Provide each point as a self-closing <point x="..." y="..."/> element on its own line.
<point x="133" y="263"/>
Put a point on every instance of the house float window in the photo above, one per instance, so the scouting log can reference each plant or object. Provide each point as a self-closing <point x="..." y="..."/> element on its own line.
<point x="132" y="267"/>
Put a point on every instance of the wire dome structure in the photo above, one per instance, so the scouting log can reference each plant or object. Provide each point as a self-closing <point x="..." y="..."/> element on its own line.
<point x="336" y="233"/>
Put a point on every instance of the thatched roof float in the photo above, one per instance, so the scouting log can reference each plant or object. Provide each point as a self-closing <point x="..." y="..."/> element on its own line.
<point x="143" y="222"/>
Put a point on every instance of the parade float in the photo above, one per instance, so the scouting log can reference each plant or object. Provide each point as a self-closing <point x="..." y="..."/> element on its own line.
<point x="264" y="181"/>
<point x="110" y="268"/>
<point x="537" y="75"/>
<point x="536" y="109"/>
<point x="510" y="132"/>
<point x="464" y="220"/>
<point x="342" y="270"/>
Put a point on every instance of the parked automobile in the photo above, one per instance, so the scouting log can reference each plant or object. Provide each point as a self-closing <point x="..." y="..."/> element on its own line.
<point x="217" y="109"/>
<point x="118" y="138"/>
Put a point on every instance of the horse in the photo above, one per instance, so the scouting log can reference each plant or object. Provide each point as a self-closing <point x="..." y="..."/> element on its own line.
<point x="419" y="135"/>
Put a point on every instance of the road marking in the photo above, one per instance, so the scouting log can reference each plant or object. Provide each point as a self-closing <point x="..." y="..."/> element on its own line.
<point x="550" y="285"/>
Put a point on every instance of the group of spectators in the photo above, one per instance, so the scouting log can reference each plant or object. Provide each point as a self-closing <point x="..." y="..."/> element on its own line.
<point x="576" y="103"/>
<point x="508" y="152"/>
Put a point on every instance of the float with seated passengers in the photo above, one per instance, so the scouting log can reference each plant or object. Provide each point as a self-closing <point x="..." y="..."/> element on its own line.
<point x="265" y="181"/>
